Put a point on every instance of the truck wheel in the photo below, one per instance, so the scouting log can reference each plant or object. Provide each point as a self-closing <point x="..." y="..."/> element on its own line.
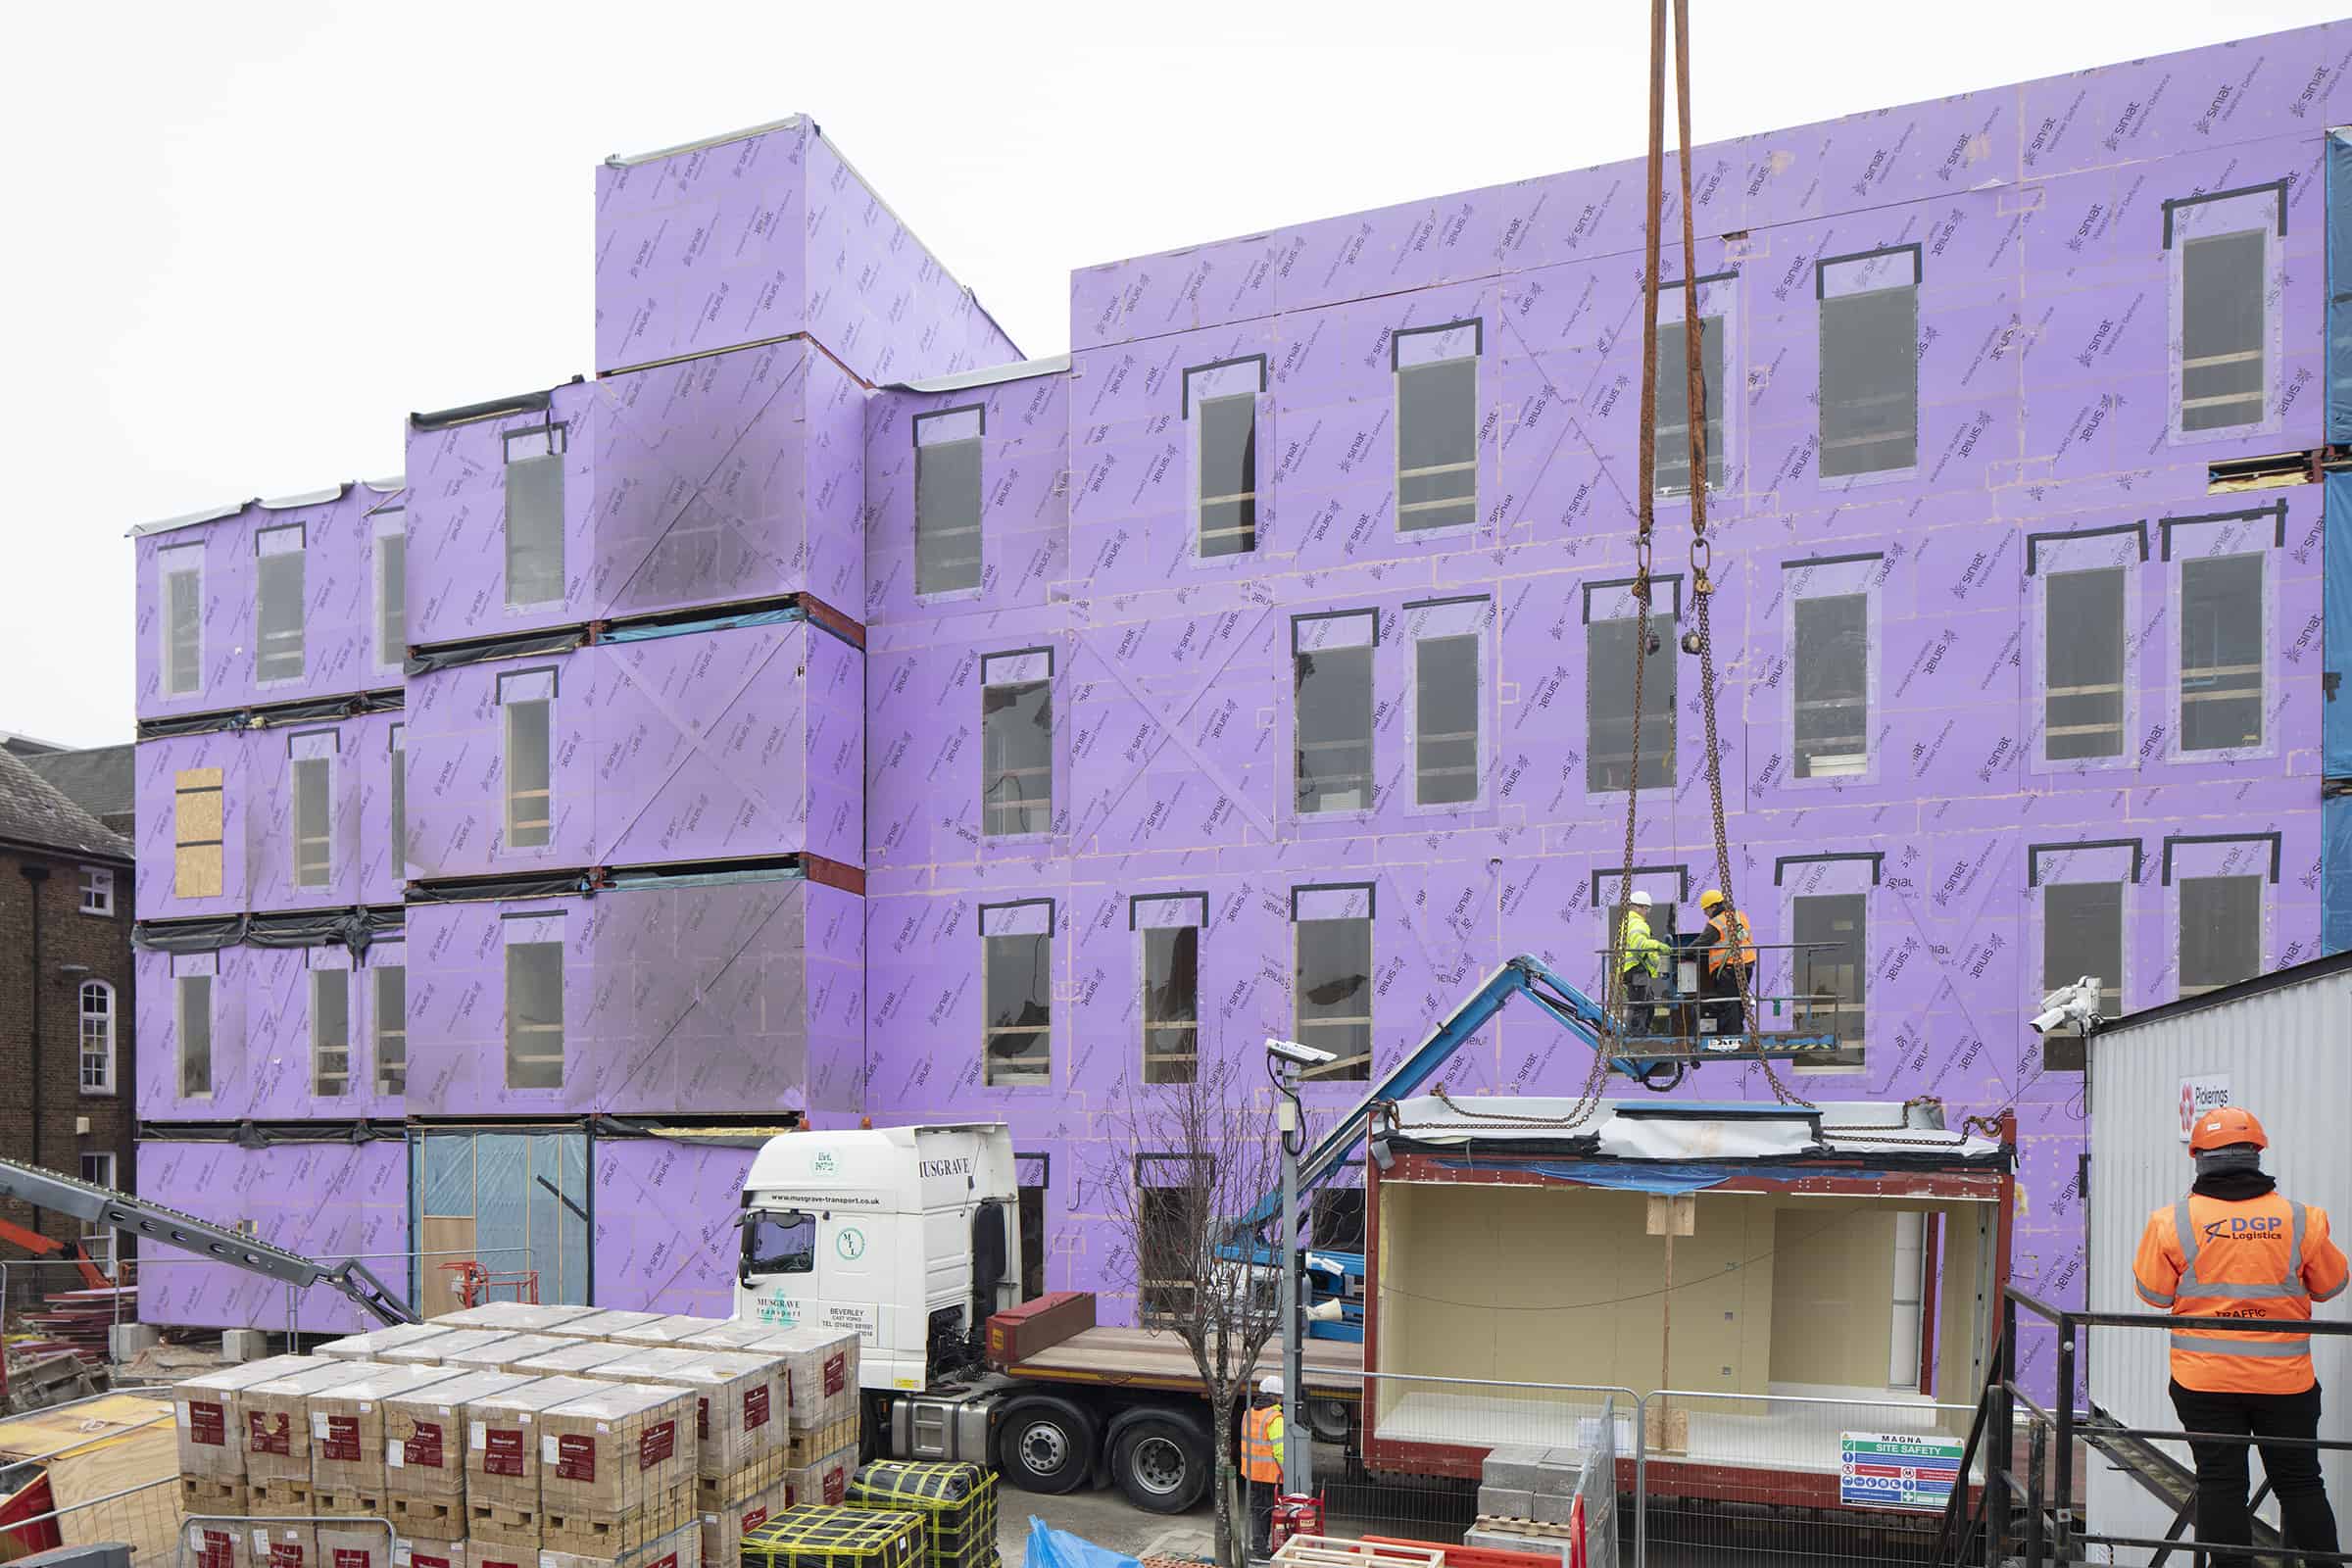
<point x="1161" y="1465"/>
<point x="1046" y="1446"/>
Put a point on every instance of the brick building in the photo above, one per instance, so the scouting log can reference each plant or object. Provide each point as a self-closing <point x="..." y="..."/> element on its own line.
<point x="66" y="996"/>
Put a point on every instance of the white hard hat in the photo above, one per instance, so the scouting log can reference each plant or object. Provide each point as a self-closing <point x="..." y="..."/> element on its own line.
<point x="1271" y="1383"/>
<point x="1641" y="899"/>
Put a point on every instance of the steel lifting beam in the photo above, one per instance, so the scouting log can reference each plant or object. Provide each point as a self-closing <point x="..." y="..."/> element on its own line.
<point x="135" y="1217"/>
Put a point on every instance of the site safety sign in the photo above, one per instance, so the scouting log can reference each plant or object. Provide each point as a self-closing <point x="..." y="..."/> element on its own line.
<point x="1897" y="1470"/>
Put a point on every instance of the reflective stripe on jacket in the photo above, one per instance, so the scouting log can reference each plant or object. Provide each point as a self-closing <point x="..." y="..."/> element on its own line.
<point x="2265" y="1260"/>
<point x="1638" y="952"/>
<point x="1720" y="948"/>
<point x="1262" y="1444"/>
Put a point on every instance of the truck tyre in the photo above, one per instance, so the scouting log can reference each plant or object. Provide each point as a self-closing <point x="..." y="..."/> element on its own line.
<point x="1160" y="1464"/>
<point x="1046" y="1445"/>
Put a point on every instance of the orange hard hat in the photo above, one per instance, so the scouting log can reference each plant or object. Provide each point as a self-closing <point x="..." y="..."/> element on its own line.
<point x="2219" y="1129"/>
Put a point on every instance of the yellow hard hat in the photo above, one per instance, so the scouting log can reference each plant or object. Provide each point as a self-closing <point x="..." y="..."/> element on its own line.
<point x="1711" y="898"/>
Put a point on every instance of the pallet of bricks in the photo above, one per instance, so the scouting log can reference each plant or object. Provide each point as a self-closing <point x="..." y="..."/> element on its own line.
<point x="820" y="1395"/>
<point x="957" y="1503"/>
<point x="741" y="1435"/>
<point x="424" y="1464"/>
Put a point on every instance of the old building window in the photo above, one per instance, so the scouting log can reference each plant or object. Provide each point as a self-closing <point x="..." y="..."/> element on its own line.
<point x="179" y="572"/>
<point x="1017" y="743"/>
<point x="1869" y="362"/>
<point x="390" y="1000"/>
<point x="331" y="1031"/>
<point x="1331" y="933"/>
<point x="534" y="945"/>
<point x="97" y="1239"/>
<point x="527" y="700"/>
<point x="1449" y="641"/>
<point x="97" y="890"/>
<point x="535" y="515"/>
<point x="1436" y="425"/>
<point x="197" y="861"/>
<point x="311" y="757"/>
<point x="1331" y="686"/>
<point x="391" y="587"/>
<point x="1017" y="987"/>
<point x="277" y="604"/>
<point x="947" y="499"/>
<point x="1168" y="929"/>
<point x="97" y="1038"/>
<point x="1220" y="411"/>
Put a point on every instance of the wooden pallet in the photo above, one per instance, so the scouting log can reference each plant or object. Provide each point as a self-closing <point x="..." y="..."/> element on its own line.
<point x="1513" y="1525"/>
<point x="1345" y="1551"/>
<point x="807" y="1448"/>
<point x="202" y="1495"/>
<point x="428" y="1518"/>
<point x="279" y="1498"/>
<point x="615" y="1534"/>
<point x="335" y="1504"/>
<point x="715" y="1494"/>
<point x="502" y="1524"/>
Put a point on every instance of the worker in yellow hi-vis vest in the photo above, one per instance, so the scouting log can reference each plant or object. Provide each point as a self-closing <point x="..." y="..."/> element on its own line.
<point x="1642" y="959"/>
<point x="1262" y="1462"/>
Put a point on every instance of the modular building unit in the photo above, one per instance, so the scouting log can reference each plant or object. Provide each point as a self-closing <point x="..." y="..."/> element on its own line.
<point x="732" y="993"/>
<point x="1826" y="1255"/>
<point x="2280" y="1047"/>
<point x="732" y="478"/>
<point x="299" y="813"/>
<point x="267" y="601"/>
<point x="727" y="740"/>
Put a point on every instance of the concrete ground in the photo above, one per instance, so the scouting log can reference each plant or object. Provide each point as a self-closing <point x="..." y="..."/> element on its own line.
<point x="1106" y="1518"/>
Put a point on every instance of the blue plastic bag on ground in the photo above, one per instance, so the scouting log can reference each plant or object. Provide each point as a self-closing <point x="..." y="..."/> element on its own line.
<point x="1050" y="1547"/>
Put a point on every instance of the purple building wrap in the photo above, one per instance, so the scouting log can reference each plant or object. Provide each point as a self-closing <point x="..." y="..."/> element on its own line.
<point x="665" y="1237"/>
<point x="741" y="999"/>
<point x="1293" y="607"/>
<point x="271" y="601"/>
<point x="325" y="1201"/>
<point x="764" y="234"/>
<point x="701" y="745"/>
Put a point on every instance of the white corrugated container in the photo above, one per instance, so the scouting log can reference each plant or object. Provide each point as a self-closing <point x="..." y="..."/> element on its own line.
<point x="2282" y="1046"/>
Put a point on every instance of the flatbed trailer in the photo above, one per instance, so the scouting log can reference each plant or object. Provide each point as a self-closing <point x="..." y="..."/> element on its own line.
<point x="1152" y="1358"/>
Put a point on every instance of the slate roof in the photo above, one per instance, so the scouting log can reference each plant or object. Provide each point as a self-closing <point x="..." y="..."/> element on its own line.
<point x="35" y="813"/>
<point x="100" y="779"/>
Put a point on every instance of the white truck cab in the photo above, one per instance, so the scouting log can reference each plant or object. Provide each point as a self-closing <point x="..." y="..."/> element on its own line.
<point x="908" y="1235"/>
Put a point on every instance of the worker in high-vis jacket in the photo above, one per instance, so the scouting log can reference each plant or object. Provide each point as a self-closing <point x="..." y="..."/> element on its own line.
<point x="1262" y="1462"/>
<point x="2235" y="1247"/>
<point x="1642" y="958"/>
<point x="1731" y="956"/>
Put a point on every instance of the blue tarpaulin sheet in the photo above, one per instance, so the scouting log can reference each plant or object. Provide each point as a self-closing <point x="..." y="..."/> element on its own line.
<point x="1642" y="1178"/>
<point x="1050" y="1547"/>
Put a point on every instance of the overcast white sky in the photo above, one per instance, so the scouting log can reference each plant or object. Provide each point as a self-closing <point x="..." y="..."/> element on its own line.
<point x="243" y="240"/>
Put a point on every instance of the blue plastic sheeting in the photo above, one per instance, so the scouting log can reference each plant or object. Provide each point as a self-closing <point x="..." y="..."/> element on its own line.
<point x="2336" y="679"/>
<point x="1642" y="1178"/>
<point x="754" y="618"/>
<point x="514" y="1186"/>
<point x="2336" y="875"/>
<point x="1050" y="1547"/>
<point x="2339" y="288"/>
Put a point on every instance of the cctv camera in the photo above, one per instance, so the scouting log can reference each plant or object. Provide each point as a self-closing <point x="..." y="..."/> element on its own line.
<point x="2071" y="1008"/>
<point x="1292" y="1051"/>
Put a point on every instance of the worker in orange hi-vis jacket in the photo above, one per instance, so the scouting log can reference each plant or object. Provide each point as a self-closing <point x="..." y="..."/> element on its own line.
<point x="2234" y="1247"/>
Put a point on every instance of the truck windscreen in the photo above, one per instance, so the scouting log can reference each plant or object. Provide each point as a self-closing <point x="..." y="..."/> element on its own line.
<point x="779" y="1243"/>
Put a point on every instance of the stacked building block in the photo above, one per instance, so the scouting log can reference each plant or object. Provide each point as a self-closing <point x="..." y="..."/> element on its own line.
<point x="425" y="1436"/>
<point x="210" y="1426"/>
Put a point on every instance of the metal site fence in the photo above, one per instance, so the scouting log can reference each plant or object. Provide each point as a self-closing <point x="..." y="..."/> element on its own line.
<point x="85" y="1505"/>
<point x="1671" y="1478"/>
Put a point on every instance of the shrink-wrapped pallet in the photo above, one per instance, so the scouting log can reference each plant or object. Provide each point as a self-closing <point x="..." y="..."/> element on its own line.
<point x="681" y="1548"/>
<point x="424" y="1452"/>
<point x="372" y="1346"/>
<point x="572" y="1358"/>
<point x="513" y="1317"/>
<point x="603" y="1325"/>
<point x="216" y="1543"/>
<point x="824" y="1479"/>
<point x="739" y="1403"/>
<point x="424" y="1551"/>
<point x="956" y="1502"/>
<point x="278" y="1447"/>
<point x="347" y="1440"/>
<point x="724" y="1527"/>
<point x="503" y="1468"/>
<point x="681" y="1328"/>
<point x="617" y="1469"/>
<point x="823" y="1373"/>
<point x="284" y="1544"/>
<point x="211" y="1429"/>
<point x="814" y="1536"/>
<point x="501" y="1354"/>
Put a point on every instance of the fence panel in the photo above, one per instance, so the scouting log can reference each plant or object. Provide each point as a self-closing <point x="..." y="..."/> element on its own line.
<point x="144" y="1517"/>
<point x="1596" y="1488"/>
<point x="1785" y="1478"/>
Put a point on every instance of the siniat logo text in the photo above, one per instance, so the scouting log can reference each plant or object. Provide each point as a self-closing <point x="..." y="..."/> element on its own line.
<point x="929" y="1169"/>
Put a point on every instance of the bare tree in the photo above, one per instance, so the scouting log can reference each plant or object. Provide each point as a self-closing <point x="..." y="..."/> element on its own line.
<point x="1192" y="1157"/>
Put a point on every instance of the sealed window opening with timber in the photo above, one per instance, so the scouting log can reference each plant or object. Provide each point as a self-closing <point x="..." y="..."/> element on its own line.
<point x="390" y="1005"/>
<point x="1833" y="966"/>
<point x="1331" y="704"/>
<point x="534" y="518"/>
<point x="534" y="1021"/>
<point x="1331" y="933"/>
<point x="180" y="573"/>
<point x="1610" y="765"/>
<point x="1017" y="986"/>
<point x="277" y="605"/>
<point x="192" y="1004"/>
<point x="526" y="700"/>
<point x="330" y="1033"/>
<point x="1220" y="413"/>
<point x="2221" y="653"/>
<point x="1672" y="473"/>
<point x="1868" y="363"/>
<point x="311" y="757"/>
<point x="2083" y="671"/>
<point x="948" y="500"/>
<point x="1016" y="744"/>
<point x="1437" y="427"/>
